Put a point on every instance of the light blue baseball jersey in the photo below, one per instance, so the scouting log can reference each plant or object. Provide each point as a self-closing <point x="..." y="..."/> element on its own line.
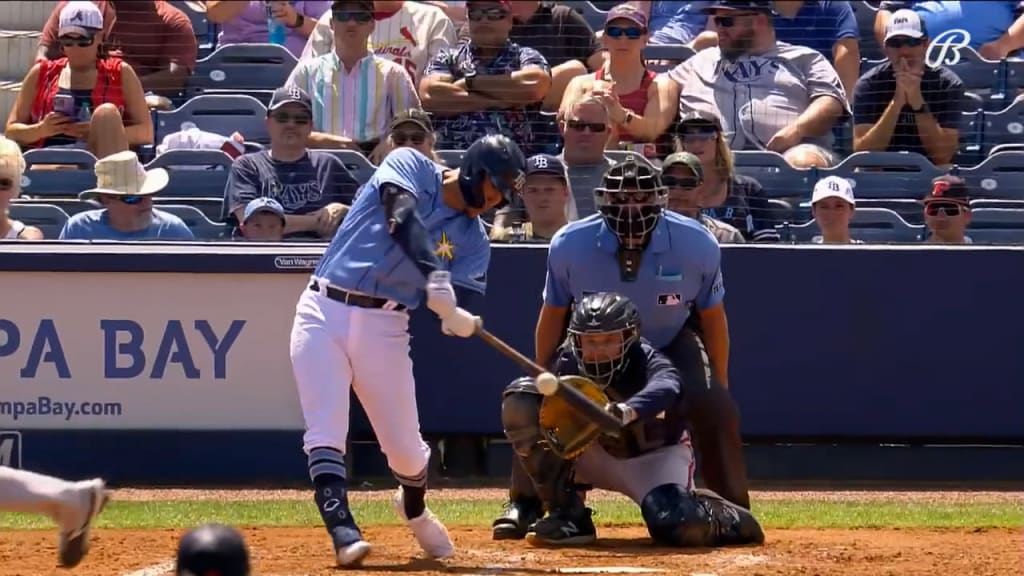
<point x="364" y="258"/>
<point x="680" y="266"/>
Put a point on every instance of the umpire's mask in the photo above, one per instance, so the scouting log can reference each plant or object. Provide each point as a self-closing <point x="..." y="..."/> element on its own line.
<point x="631" y="199"/>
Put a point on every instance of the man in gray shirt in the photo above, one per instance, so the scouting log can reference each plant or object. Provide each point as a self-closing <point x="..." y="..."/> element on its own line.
<point x="584" y="134"/>
<point x="769" y="95"/>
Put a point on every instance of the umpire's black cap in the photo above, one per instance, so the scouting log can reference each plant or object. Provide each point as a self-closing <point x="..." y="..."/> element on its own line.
<point x="212" y="549"/>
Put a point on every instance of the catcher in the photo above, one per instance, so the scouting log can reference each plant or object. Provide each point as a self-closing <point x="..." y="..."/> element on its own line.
<point x="651" y="461"/>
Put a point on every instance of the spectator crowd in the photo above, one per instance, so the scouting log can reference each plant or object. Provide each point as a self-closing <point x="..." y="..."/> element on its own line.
<point x="746" y="96"/>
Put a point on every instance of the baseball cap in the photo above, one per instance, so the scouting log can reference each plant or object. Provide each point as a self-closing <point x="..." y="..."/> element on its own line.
<point x="684" y="159"/>
<point x="504" y="3"/>
<point x="415" y="116"/>
<point x="750" y="5"/>
<point x="833" y="186"/>
<point x="905" y="23"/>
<point x="79" y="17"/>
<point x="627" y="12"/>
<point x="700" y="117"/>
<point x="545" y="164"/>
<point x="263" y="204"/>
<point x="365" y="5"/>
<point x="212" y="549"/>
<point x="289" y="95"/>
<point x="950" y="189"/>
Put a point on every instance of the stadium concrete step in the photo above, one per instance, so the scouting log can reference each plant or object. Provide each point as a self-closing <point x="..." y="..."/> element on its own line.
<point x="20" y="26"/>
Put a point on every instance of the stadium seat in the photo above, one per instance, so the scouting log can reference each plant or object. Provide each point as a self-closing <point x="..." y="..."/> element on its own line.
<point x="910" y="210"/>
<point x="970" y="149"/>
<point x="206" y="33"/>
<point x="865" y="14"/>
<point x="777" y="177"/>
<point x="671" y="53"/>
<point x="1000" y="176"/>
<point x="1014" y="76"/>
<point x="1006" y="125"/>
<point x="358" y="166"/>
<point x="70" y="206"/>
<point x="594" y="17"/>
<point x="886" y="175"/>
<point x="201" y="226"/>
<point x="972" y="103"/>
<point x="872" y="225"/>
<point x="194" y="173"/>
<point x="58" y="172"/>
<point x="997" y="203"/>
<point x="997" y="226"/>
<point x="242" y="69"/>
<point x="48" y="218"/>
<point x="451" y="157"/>
<point x="219" y="113"/>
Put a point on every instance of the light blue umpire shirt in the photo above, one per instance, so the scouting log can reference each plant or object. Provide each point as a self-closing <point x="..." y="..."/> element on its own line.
<point x="363" y="257"/>
<point x="680" y="266"/>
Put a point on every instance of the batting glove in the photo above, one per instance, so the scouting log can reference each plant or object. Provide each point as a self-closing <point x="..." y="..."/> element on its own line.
<point x="460" y="323"/>
<point x="440" y="294"/>
<point x="624" y="412"/>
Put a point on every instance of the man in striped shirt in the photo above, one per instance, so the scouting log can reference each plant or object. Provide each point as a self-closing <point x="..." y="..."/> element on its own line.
<point x="355" y="93"/>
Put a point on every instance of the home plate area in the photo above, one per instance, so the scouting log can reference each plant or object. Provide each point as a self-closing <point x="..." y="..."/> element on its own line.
<point x="620" y="550"/>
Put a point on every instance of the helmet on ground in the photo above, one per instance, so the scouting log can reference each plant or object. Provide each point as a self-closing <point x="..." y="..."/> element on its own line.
<point x="631" y="198"/>
<point x="212" y="549"/>
<point x="494" y="158"/>
<point x="603" y="328"/>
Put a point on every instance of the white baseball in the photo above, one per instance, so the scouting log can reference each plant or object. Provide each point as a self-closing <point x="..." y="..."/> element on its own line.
<point x="547" y="383"/>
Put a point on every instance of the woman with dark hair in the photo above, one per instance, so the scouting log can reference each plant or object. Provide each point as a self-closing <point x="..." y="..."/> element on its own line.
<point x="84" y="99"/>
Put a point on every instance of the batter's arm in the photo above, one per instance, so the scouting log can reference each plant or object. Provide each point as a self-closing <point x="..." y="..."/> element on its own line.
<point x="715" y="328"/>
<point x="550" y="332"/>
<point x="406" y="227"/>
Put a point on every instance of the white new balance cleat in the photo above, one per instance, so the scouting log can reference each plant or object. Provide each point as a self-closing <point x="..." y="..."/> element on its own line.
<point x="353" y="554"/>
<point x="430" y="533"/>
<point x="74" y="539"/>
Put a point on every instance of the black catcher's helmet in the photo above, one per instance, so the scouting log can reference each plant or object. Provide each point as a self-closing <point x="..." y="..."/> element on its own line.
<point x="603" y="328"/>
<point x="631" y="199"/>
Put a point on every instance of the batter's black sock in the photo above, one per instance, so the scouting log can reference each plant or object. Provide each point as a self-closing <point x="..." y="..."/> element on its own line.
<point x="327" y="471"/>
<point x="414" y="491"/>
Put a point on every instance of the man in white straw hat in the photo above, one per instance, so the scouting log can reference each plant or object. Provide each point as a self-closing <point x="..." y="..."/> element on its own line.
<point x="125" y="189"/>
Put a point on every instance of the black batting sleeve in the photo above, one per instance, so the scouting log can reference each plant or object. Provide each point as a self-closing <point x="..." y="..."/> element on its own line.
<point x="661" y="392"/>
<point x="406" y="227"/>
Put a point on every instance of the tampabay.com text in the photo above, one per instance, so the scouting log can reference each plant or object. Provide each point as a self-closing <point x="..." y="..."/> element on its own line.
<point x="46" y="407"/>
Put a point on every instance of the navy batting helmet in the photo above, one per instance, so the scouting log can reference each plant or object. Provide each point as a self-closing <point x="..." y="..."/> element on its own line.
<point x="497" y="158"/>
<point x="212" y="549"/>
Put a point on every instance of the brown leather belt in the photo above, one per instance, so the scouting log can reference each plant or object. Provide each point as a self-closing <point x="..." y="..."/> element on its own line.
<point x="353" y="299"/>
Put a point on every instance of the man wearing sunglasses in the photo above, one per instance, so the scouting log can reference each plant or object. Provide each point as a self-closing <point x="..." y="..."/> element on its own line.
<point x="683" y="175"/>
<point x="904" y="105"/>
<point x="947" y="211"/>
<point x="488" y="84"/>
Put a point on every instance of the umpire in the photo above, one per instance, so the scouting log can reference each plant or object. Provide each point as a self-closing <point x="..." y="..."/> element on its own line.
<point x="669" y="266"/>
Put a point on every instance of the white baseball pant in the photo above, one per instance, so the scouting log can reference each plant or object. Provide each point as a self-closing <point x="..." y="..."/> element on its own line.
<point x="65" y="502"/>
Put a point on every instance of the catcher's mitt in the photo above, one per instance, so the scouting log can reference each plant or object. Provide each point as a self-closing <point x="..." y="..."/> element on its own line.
<point x="567" y="432"/>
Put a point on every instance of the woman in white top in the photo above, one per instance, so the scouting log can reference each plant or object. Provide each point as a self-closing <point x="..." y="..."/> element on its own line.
<point x="12" y="165"/>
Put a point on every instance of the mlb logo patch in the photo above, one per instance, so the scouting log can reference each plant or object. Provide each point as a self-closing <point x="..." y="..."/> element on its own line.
<point x="670" y="299"/>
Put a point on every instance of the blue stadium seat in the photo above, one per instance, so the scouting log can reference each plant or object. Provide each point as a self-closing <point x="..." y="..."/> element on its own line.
<point x="1005" y="126"/>
<point x="1014" y="76"/>
<point x="67" y="172"/>
<point x="872" y="225"/>
<point x="194" y="173"/>
<point x="997" y="203"/>
<point x="886" y="174"/>
<point x="971" y="147"/>
<point x="997" y="226"/>
<point x="48" y="218"/>
<point x="451" y="157"/>
<point x="672" y="53"/>
<point x="242" y="69"/>
<point x="220" y="113"/>
<point x="1000" y="176"/>
<point x="358" y="166"/>
<point x="201" y="226"/>
<point x="777" y="177"/>
<point x="910" y="210"/>
<point x="594" y="17"/>
<point x="206" y="33"/>
<point x="70" y="206"/>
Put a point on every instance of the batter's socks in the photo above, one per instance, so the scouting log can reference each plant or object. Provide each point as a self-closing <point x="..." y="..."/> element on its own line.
<point x="327" y="471"/>
<point x="414" y="491"/>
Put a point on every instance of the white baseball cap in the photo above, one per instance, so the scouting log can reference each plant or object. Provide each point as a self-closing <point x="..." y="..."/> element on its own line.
<point x="833" y="186"/>
<point x="80" y="17"/>
<point x="905" y="23"/>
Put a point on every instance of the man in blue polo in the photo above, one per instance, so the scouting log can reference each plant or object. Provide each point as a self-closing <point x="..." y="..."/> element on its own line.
<point x="669" y="266"/>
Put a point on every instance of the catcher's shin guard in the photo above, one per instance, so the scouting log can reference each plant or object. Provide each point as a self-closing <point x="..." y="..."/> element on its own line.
<point x="676" y="516"/>
<point x="730" y="524"/>
<point x="519" y="414"/>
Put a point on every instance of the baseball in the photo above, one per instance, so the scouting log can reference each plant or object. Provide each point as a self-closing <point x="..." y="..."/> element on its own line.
<point x="547" y="383"/>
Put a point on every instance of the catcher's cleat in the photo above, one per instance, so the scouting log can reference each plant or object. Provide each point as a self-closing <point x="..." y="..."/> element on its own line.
<point x="516" y="519"/>
<point x="562" y="528"/>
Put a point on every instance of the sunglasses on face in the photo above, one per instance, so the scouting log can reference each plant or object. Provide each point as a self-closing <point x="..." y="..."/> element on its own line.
<point x="699" y="132"/>
<point x="416" y="138"/>
<point x="579" y="126"/>
<point x="493" y="14"/>
<point x="946" y="208"/>
<point x="352" y="16"/>
<point x="901" y="42"/>
<point x="730" y="21"/>
<point x="80" y="41"/>
<point x="687" y="182"/>
<point x="130" y="200"/>
<point x="620" y="31"/>
<point x="285" y="118"/>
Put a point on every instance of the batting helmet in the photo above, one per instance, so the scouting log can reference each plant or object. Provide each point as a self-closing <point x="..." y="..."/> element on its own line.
<point x="603" y="313"/>
<point x="631" y="198"/>
<point x="212" y="549"/>
<point x="495" y="158"/>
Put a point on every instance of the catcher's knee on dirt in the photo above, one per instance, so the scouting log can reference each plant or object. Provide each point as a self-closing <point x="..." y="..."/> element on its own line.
<point x="676" y="516"/>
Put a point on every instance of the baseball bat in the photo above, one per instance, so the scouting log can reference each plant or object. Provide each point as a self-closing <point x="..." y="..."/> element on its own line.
<point x="590" y="409"/>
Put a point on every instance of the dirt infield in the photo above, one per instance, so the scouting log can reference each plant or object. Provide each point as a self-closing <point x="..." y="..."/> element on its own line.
<point x="306" y="551"/>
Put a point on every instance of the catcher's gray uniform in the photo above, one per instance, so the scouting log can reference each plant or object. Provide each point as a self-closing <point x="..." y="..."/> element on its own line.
<point x="755" y="96"/>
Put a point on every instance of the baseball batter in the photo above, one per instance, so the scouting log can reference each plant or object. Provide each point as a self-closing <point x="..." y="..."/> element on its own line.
<point x="668" y="265"/>
<point x="413" y="225"/>
<point x="72" y="505"/>
<point x="651" y="461"/>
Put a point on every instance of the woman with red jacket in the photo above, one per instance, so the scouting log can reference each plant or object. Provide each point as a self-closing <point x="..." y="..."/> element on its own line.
<point x="85" y="99"/>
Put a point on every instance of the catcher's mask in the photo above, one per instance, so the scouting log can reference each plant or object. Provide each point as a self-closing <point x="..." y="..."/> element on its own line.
<point x="631" y="198"/>
<point x="603" y="328"/>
